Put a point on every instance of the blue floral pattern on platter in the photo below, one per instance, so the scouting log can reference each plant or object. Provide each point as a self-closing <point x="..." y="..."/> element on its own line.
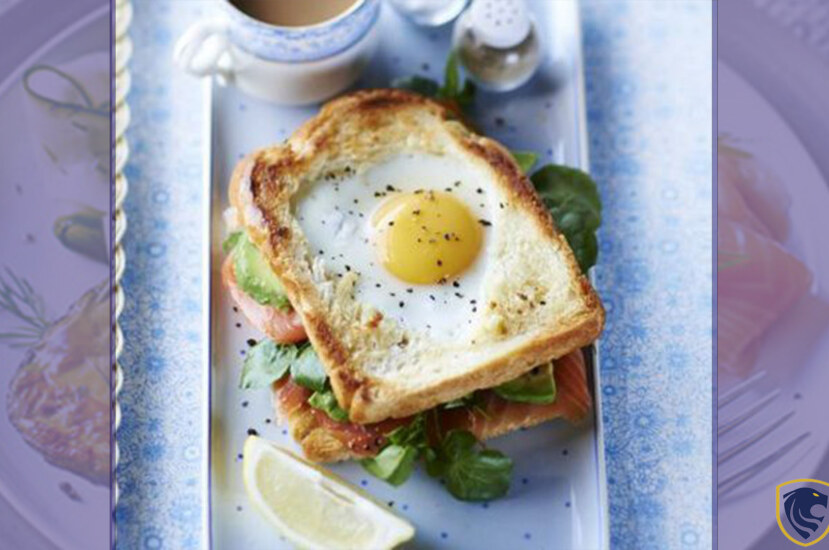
<point x="648" y="80"/>
<point x="298" y="44"/>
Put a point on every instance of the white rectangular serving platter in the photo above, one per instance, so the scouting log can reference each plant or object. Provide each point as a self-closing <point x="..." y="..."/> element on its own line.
<point x="558" y="496"/>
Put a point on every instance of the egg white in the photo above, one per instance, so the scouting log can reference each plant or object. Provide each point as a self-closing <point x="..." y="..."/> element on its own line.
<point x="335" y="217"/>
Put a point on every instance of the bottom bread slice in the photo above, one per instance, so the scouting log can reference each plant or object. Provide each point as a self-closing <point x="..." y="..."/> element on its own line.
<point x="326" y="440"/>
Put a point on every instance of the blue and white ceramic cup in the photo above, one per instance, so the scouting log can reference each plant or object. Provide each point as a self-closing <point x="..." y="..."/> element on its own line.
<point x="286" y="65"/>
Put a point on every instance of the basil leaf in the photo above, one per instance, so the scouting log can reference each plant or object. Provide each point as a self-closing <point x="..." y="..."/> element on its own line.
<point x="394" y="464"/>
<point x="525" y="159"/>
<point x="231" y="240"/>
<point x="537" y="387"/>
<point x="472" y="474"/>
<point x="307" y="371"/>
<point x="265" y="363"/>
<point x="573" y="200"/>
<point x="327" y="402"/>
<point x="417" y="84"/>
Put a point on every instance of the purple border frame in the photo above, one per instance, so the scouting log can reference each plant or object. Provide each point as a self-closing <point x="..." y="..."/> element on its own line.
<point x="715" y="389"/>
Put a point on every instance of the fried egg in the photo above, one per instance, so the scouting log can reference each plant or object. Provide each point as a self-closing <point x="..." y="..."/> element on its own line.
<point x="414" y="229"/>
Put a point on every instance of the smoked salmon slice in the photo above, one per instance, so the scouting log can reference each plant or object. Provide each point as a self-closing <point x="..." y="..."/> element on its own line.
<point x="751" y="194"/>
<point x="757" y="278"/>
<point x="326" y="440"/>
<point x="494" y="416"/>
<point x="757" y="281"/>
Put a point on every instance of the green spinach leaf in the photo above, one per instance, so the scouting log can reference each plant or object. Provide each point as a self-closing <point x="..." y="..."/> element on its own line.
<point x="265" y="363"/>
<point x="452" y="90"/>
<point x="434" y="467"/>
<point x="470" y="473"/>
<point x="394" y="464"/>
<point x="417" y="84"/>
<point x="412" y="434"/>
<point x="307" y="371"/>
<point x="573" y="200"/>
<point x="451" y="77"/>
<point x="467" y="94"/>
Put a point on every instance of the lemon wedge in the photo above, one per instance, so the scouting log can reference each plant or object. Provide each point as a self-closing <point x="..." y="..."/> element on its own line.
<point x="313" y="508"/>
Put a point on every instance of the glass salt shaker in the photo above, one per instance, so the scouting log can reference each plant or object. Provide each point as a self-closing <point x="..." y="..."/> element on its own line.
<point x="429" y="13"/>
<point x="497" y="42"/>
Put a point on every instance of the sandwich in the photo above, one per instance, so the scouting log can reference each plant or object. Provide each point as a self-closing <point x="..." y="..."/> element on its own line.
<point x="419" y="293"/>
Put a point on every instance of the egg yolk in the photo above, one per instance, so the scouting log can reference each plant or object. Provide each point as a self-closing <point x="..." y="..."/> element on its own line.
<point x="426" y="237"/>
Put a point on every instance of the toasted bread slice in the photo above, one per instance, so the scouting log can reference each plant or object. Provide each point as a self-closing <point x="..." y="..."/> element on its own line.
<point x="535" y="304"/>
<point x="325" y="440"/>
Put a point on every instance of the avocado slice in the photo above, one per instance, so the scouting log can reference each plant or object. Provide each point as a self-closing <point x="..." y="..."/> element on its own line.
<point x="255" y="277"/>
<point x="537" y="387"/>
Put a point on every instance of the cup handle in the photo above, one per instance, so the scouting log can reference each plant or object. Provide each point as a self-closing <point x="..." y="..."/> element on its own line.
<point x="201" y="50"/>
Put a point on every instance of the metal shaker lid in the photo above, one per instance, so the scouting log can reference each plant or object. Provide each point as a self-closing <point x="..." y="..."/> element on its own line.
<point x="500" y="23"/>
